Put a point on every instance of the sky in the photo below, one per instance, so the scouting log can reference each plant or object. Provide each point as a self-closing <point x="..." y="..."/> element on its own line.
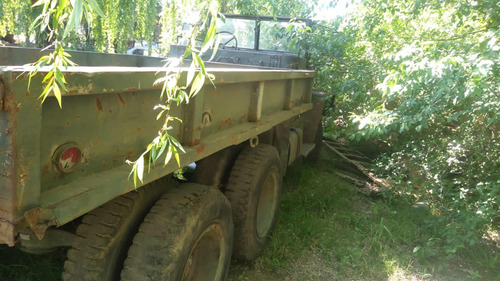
<point x="327" y="13"/>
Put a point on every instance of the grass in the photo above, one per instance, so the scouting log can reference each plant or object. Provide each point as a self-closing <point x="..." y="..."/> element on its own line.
<point x="327" y="231"/>
<point x="357" y="237"/>
<point x="18" y="266"/>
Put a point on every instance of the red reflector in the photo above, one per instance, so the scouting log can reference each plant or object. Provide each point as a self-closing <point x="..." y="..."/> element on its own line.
<point x="68" y="159"/>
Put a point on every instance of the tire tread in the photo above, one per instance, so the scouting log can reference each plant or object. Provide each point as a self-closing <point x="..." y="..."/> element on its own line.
<point x="239" y="190"/>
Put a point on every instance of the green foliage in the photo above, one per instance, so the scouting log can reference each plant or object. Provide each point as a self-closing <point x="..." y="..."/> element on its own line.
<point x="54" y="80"/>
<point x="13" y="22"/>
<point x="106" y="25"/>
<point x="284" y="8"/>
<point x="174" y="14"/>
<point x="423" y="78"/>
<point x="173" y="93"/>
<point x="57" y="18"/>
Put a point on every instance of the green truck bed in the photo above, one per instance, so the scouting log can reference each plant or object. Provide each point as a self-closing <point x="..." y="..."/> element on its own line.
<point x="108" y="116"/>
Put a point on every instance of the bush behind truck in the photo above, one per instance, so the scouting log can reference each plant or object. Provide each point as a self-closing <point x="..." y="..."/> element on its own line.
<point x="69" y="165"/>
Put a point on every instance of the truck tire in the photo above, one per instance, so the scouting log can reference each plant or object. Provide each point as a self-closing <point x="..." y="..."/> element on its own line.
<point x="186" y="236"/>
<point x="254" y="191"/>
<point x="104" y="235"/>
<point x="214" y="169"/>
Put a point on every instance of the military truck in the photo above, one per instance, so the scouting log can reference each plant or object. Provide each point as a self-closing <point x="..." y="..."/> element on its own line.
<point x="64" y="181"/>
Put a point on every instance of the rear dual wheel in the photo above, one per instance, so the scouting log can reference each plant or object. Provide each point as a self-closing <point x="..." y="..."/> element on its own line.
<point x="187" y="236"/>
<point x="254" y="191"/>
<point x="104" y="235"/>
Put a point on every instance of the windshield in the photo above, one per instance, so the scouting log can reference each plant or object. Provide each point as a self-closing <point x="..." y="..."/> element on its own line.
<point x="241" y="32"/>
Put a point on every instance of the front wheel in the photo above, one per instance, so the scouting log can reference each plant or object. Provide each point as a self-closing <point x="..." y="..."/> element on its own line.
<point x="186" y="236"/>
<point x="254" y="191"/>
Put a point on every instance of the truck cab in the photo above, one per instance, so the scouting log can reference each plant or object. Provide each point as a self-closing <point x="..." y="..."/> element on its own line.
<point x="259" y="41"/>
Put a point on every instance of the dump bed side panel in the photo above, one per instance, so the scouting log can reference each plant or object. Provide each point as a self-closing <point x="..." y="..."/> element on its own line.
<point x="108" y="117"/>
<point x="107" y="128"/>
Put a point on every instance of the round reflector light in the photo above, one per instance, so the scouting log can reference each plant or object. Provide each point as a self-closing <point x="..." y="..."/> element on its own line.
<point x="66" y="157"/>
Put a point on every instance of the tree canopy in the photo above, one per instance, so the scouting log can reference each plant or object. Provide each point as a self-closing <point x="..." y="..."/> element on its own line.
<point x="123" y="22"/>
<point x="421" y="78"/>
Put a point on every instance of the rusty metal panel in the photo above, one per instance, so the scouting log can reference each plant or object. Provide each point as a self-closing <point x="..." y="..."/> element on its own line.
<point x="74" y="199"/>
<point x="7" y="230"/>
<point x="108" y="128"/>
<point x="19" y="154"/>
<point x="227" y="106"/>
<point x="7" y="176"/>
<point x="25" y="109"/>
<point x="108" y="115"/>
<point x="274" y="96"/>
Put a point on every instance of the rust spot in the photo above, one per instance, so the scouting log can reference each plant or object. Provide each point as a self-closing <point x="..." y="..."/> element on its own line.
<point x="46" y="169"/>
<point x="96" y="142"/>
<point x="243" y="118"/>
<point x="130" y="153"/>
<point x="224" y="123"/>
<point x="200" y="149"/>
<point x="22" y="173"/>
<point x="7" y="232"/>
<point x="117" y="150"/>
<point x="195" y="142"/>
<point x="9" y="103"/>
<point x="39" y="219"/>
<point x="139" y="129"/>
<point x="99" y="104"/>
<point x="110" y="111"/>
<point x="78" y="117"/>
<point x="131" y="89"/>
<point x="120" y="98"/>
<point x="68" y="123"/>
<point x="234" y="139"/>
<point x="27" y="93"/>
